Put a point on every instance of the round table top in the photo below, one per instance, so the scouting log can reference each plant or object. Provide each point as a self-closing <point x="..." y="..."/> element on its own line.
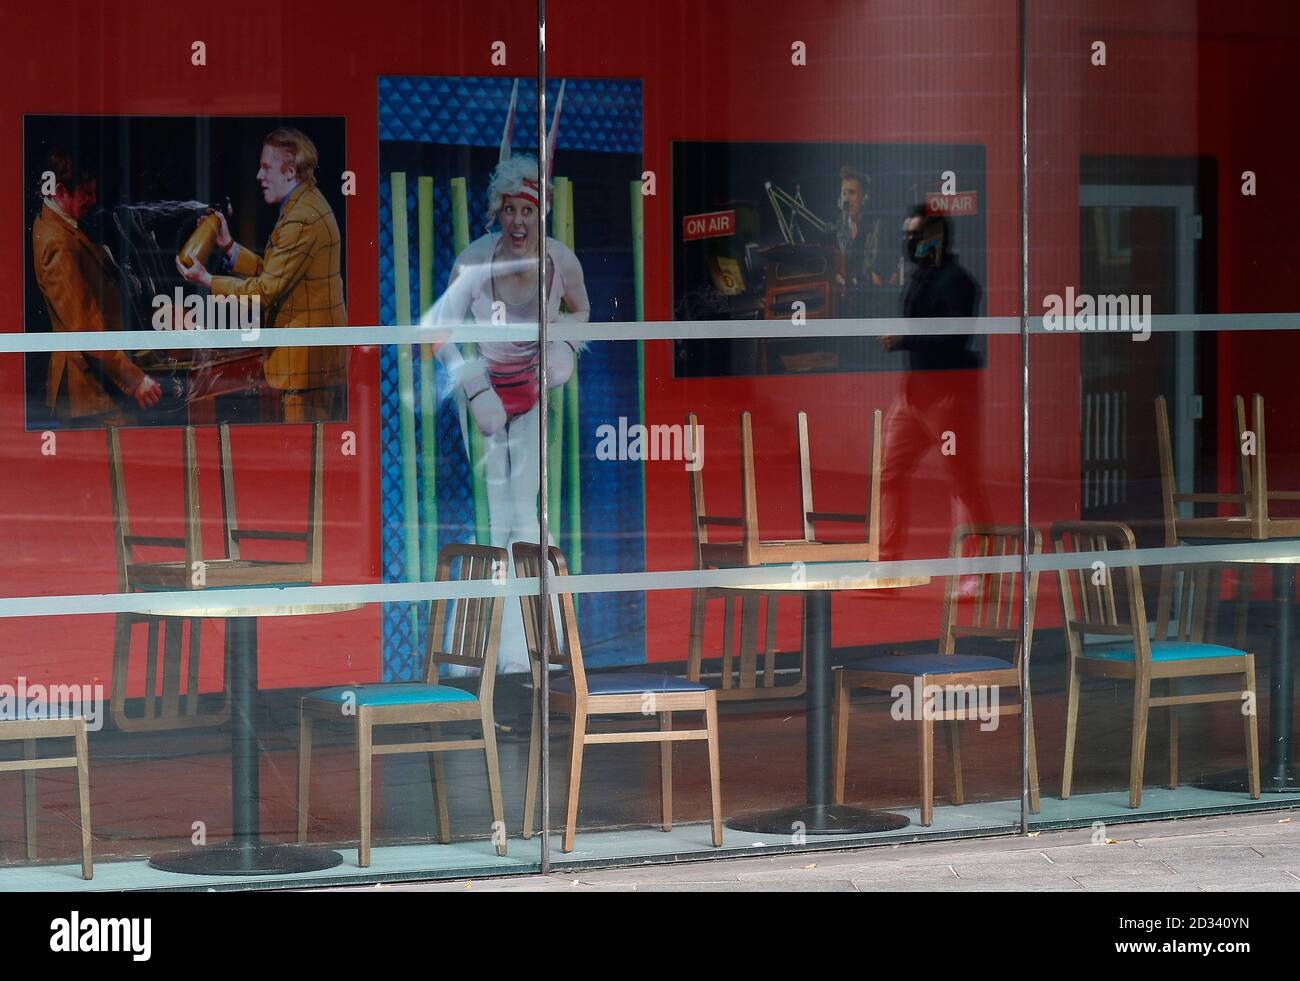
<point x="274" y="610"/>
<point x="814" y="585"/>
<point x="1262" y="560"/>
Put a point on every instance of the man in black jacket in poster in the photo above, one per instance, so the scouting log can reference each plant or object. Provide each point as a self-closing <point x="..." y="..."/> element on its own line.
<point x="933" y="414"/>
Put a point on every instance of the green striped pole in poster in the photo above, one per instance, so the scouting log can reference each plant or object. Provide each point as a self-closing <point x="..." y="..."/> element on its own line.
<point x="478" y="479"/>
<point x="405" y="386"/>
<point x="638" y="284"/>
<point x="428" y="392"/>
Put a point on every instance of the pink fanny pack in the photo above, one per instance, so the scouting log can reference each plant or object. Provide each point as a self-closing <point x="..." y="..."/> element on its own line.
<point x="518" y="388"/>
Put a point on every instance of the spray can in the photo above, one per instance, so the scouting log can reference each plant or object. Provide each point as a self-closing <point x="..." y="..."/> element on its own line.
<point x="198" y="247"/>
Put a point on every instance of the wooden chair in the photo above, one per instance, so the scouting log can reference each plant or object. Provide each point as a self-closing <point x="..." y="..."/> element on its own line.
<point x="749" y="549"/>
<point x="580" y="696"/>
<point x="991" y="613"/>
<point x="472" y="637"/>
<point x="28" y="731"/>
<point x="1090" y="606"/>
<point x="1254" y="521"/>
<point x="171" y="706"/>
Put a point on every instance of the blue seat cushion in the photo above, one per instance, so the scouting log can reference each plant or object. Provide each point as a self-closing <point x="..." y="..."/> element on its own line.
<point x="927" y="664"/>
<point x="629" y="683"/>
<point x="1165" y="650"/>
<point x="398" y="693"/>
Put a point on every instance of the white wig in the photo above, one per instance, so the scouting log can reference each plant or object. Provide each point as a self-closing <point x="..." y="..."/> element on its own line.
<point x="516" y="176"/>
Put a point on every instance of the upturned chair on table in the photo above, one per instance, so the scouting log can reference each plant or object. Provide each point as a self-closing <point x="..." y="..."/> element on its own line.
<point x="748" y="548"/>
<point x="175" y="705"/>
<point x="1091" y="606"/>
<point x="991" y="613"/>
<point x="1253" y="520"/>
<point x="580" y="696"/>
<point x="462" y="631"/>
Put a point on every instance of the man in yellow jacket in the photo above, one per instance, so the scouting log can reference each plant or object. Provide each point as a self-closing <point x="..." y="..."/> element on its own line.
<point x="298" y="281"/>
<point x="76" y="278"/>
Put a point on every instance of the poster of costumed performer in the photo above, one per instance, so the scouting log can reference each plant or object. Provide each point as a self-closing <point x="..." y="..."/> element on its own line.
<point x="495" y="280"/>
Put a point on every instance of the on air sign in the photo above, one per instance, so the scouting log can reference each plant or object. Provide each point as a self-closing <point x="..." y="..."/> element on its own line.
<point x="957" y="205"/>
<point x="709" y="225"/>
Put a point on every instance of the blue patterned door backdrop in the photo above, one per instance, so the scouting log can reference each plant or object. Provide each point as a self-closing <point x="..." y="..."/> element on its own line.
<point x="446" y="127"/>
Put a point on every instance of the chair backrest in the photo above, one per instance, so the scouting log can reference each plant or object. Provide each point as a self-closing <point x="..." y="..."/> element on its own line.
<point x="871" y="517"/>
<point x="994" y="611"/>
<point x="125" y="542"/>
<point x="1102" y="599"/>
<point x="701" y="520"/>
<point x="1254" y="465"/>
<point x="312" y="537"/>
<point x="528" y="565"/>
<point x="1168" y="486"/>
<point x="466" y="631"/>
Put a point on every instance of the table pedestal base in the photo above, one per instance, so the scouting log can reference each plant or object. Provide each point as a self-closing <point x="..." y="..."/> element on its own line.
<point x="260" y="858"/>
<point x="818" y="819"/>
<point x="1234" y="781"/>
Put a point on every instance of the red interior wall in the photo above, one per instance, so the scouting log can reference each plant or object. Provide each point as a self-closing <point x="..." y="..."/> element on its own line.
<point x="895" y="71"/>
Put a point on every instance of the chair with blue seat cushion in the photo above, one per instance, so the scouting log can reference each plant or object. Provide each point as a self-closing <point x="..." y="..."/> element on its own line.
<point x="1098" y="602"/>
<point x="464" y="631"/>
<point x="579" y="695"/>
<point x="27" y="729"/>
<point x="991" y="612"/>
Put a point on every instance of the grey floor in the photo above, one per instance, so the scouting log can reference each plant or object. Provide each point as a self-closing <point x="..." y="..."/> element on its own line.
<point x="1095" y="814"/>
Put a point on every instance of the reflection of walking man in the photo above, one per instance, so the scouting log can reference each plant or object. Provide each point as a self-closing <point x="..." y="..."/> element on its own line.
<point x="298" y="280"/>
<point x="929" y="408"/>
<point x="76" y="279"/>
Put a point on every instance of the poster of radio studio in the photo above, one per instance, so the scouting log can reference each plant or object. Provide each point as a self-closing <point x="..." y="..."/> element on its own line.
<point x="159" y="224"/>
<point x="806" y="231"/>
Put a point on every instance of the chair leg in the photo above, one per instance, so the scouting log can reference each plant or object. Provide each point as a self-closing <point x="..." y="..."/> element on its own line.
<point x="1173" y="737"/>
<point x="576" y="744"/>
<point x="121" y="663"/>
<point x="953" y="730"/>
<point x="1252" y="731"/>
<point x="1242" y="609"/>
<point x="666" y="771"/>
<point x="365" y="760"/>
<point x="304" y="771"/>
<point x="926" y="730"/>
<point x="695" y="643"/>
<point x="494" y="784"/>
<point x="29" y="799"/>
<point x="715" y="778"/>
<point x="769" y="644"/>
<point x="1138" y="752"/>
<point x="1034" y="800"/>
<point x="1071" y="730"/>
<point x="840" y="728"/>
<point x="83" y="801"/>
<point x="438" y="781"/>
<point x="728" y="639"/>
<point x="534" y="761"/>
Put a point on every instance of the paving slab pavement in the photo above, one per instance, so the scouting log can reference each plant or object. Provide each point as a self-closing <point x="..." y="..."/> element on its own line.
<point x="1249" y="852"/>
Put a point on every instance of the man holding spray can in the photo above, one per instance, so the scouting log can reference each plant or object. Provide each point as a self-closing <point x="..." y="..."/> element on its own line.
<point x="298" y="281"/>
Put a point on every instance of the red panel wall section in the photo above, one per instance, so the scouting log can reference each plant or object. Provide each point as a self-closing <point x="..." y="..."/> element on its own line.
<point x="906" y="72"/>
